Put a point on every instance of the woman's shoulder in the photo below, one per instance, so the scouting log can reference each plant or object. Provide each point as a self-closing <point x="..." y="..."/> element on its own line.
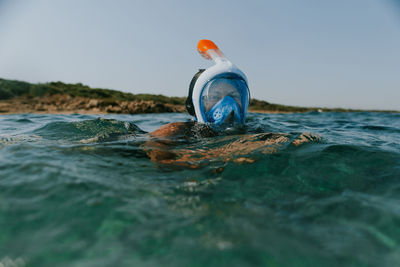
<point x="172" y="129"/>
<point x="188" y="129"/>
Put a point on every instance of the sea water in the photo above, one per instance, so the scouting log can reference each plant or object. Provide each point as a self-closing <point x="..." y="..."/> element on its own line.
<point x="76" y="190"/>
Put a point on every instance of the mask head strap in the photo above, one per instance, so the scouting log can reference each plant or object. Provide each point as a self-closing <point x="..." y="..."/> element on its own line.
<point x="189" y="99"/>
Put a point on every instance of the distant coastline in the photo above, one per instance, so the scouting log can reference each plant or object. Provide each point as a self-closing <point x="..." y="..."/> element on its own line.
<point x="59" y="98"/>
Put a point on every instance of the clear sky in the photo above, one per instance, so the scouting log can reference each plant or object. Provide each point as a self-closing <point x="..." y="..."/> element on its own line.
<point x="342" y="53"/>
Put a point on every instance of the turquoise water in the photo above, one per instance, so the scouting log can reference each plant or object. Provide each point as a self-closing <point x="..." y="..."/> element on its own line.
<point x="79" y="191"/>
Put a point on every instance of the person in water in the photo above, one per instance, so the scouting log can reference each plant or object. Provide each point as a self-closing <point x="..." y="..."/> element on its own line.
<point x="218" y="99"/>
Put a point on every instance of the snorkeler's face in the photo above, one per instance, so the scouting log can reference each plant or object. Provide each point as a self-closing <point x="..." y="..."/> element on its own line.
<point x="225" y="99"/>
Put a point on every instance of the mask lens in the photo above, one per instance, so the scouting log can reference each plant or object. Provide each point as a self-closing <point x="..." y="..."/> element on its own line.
<point x="219" y="88"/>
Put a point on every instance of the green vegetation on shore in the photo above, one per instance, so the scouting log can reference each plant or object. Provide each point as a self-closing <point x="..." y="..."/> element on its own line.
<point x="10" y="89"/>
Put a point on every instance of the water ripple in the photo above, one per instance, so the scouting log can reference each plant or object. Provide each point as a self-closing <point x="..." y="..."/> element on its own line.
<point x="79" y="190"/>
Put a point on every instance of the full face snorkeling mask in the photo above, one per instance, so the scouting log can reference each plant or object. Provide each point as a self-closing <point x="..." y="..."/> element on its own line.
<point x="220" y="93"/>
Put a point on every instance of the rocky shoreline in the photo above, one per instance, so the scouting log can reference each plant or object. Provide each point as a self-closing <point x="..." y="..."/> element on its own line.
<point x="66" y="104"/>
<point x="59" y="97"/>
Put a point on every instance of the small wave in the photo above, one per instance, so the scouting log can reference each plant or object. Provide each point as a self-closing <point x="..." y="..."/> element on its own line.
<point x="96" y="130"/>
<point x="375" y="128"/>
<point x="25" y="121"/>
<point x="379" y="128"/>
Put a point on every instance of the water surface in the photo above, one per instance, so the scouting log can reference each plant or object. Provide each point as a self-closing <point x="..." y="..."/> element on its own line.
<point x="79" y="191"/>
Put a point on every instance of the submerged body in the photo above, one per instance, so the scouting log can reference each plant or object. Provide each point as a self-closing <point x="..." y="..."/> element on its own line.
<point x="164" y="146"/>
